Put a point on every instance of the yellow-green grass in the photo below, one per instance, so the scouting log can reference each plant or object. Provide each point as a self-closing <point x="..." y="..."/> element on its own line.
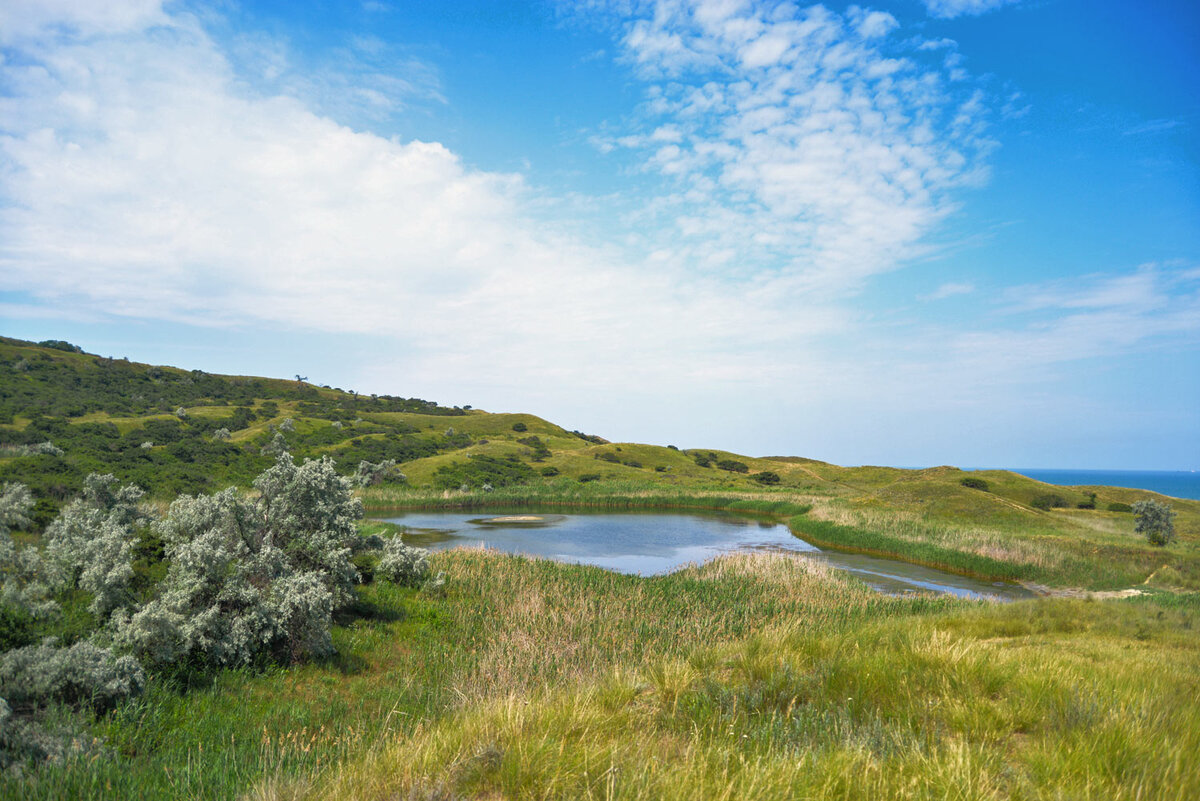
<point x="1049" y="699"/>
<point x="503" y="624"/>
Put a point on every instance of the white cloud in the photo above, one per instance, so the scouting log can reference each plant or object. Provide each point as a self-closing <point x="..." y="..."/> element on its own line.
<point x="949" y="9"/>
<point x="807" y="142"/>
<point x="23" y="20"/>
<point x="142" y="177"/>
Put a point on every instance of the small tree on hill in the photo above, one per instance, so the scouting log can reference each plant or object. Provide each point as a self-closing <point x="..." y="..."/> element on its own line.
<point x="1155" y="520"/>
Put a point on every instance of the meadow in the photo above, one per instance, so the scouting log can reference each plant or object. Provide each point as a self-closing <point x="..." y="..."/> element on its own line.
<point x="752" y="676"/>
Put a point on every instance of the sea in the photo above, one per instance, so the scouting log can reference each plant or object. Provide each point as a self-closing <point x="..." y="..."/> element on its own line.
<point x="1176" y="483"/>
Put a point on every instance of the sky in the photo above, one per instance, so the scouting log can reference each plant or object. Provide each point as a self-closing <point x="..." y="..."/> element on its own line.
<point x="912" y="233"/>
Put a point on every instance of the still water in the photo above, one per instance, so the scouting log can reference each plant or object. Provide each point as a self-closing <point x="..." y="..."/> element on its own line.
<point x="646" y="543"/>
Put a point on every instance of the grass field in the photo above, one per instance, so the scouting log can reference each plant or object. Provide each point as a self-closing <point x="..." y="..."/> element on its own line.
<point x="749" y="677"/>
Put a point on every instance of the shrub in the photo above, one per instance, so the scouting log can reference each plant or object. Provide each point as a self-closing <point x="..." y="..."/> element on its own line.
<point x="733" y="466"/>
<point x="371" y="473"/>
<point x="1048" y="501"/>
<point x="402" y="564"/>
<point x="768" y="477"/>
<point x="251" y="578"/>
<point x="1119" y="507"/>
<point x="1155" y="520"/>
<point x="91" y="543"/>
<point x="549" y="471"/>
<point x="975" y="483"/>
<point x="661" y="468"/>
<point x="221" y="434"/>
<point x="701" y="460"/>
<point x="608" y="457"/>
<point x="632" y="463"/>
<point x="83" y="675"/>
<point x="1090" y="503"/>
<point x="586" y="477"/>
<point x="520" y="427"/>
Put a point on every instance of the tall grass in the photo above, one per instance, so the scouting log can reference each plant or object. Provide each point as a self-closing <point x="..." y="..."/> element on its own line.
<point x="992" y="703"/>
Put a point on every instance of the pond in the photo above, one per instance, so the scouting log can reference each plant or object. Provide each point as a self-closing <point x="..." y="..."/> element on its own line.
<point x="651" y="543"/>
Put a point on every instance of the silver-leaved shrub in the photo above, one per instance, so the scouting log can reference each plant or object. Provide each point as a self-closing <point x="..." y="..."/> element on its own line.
<point x="249" y="577"/>
<point x="403" y="564"/>
<point x="90" y="545"/>
<point x="23" y="584"/>
<point x="83" y="673"/>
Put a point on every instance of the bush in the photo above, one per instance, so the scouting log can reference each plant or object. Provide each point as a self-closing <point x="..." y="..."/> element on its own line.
<point x="1155" y="520"/>
<point x="402" y="564"/>
<point x="1090" y="503"/>
<point x="1048" y="502"/>
<point x="767" y="477"/>
<point x="82" y="675"/>
<point x="1119" y="507"/>
<point x="975" y="483"/>
<point x="586" y="477"/>
<point x="251" y="578"/>
<point x="701" y="460"/>
<point x="370" y="473"/>
<point x="549" y="471"/>
<point x="520" y="427"/>
<point x="608" y="457"/>
<point x="733" y="466"/>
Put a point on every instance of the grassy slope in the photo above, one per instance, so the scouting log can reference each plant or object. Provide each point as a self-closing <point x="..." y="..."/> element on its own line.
<point x="750" y="677"/>
<point x="921" y="515"/>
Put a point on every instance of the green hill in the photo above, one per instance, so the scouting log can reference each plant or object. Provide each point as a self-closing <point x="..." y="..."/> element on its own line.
<point x="65" y="414"/>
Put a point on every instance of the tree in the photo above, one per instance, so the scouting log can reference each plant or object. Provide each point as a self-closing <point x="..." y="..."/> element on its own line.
<point x="1155" y="520"/>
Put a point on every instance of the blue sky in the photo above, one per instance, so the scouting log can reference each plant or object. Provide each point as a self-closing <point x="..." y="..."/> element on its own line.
<point x="913" y="232"/>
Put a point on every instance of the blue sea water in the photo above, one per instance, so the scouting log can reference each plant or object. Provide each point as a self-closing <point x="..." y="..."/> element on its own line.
<point x="1176" y="483"/>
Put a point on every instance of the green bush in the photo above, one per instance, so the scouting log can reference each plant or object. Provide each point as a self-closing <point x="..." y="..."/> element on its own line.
<point x="586" y="477"/>
<point x="975" y="483"/>
<point x="733" y="466"/>
<point x="550" y="471"/>
<point x="1048" y="501"/>
<point x="520" y="427"/>
<point x="1090" y="503"/>
<point x="1119" y="507"/>
<point x="768" y="477"/>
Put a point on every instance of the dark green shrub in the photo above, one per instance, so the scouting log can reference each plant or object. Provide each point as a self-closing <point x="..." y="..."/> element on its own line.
<point x="768" y="477"/>
<point x="1048" y="501"/>
<point x="702" y="460"/>
<point x="975" y="483"/>
<point x="520" y="427"/>
<point x="1120" y="507"/>
<point x="586" y="477"/>
<point x="550" y="471"/>
<point x="733" y="466"/>
<point x="661" y="469"/>
<point x="631" y="463"/>
<point x="1090" y="503"/>
<point x="607" y="457"/>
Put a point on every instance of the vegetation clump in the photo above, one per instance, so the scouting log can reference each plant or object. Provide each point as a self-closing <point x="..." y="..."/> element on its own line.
<point x="971" y="482"/>
<point x="766" y="477"/>
<point x="403" y="564"/>
<point x="733" y="466"/>
<point x="1048" y="501"/>
<point x="1154" y="520"/>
